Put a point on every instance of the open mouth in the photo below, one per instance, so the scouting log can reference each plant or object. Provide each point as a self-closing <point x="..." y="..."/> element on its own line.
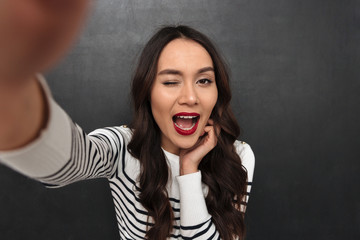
<point x="186" y="123"/>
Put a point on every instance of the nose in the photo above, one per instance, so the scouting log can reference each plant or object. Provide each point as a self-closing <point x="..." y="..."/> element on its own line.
<point x="188" y="95"/>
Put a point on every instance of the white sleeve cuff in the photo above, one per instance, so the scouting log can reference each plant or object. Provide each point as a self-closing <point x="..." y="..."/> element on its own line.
<point x="50" y="151"/>
<point x="193" y="208"/>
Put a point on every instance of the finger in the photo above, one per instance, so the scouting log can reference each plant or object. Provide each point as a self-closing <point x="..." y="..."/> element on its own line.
<point x="217" y="127"/>
<point x="209" y="122"/>
<point x="207" y="129"/>
<point x="211" y="138"/>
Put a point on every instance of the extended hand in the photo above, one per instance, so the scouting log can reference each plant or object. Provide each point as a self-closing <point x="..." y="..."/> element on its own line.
<point x="35" y="33"/>
<point x="33" y="36"/>
<point x="191" y="158"/>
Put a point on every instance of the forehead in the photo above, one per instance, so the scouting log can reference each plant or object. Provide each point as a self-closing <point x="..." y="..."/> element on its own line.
<point x="184" y="55"/>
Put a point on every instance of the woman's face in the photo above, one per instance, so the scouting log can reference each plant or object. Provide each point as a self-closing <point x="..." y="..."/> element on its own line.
<point x="183" y="94"/>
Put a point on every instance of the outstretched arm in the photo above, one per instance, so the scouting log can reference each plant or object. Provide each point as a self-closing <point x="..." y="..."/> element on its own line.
<point x="34" y="35"/>
<point x="22" y="111"/>
<point x="37" y="138"/>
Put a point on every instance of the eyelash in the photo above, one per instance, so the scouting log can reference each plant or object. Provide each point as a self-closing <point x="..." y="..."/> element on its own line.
<point x="207" y="81"/>
<point x="170" y="83"/>
<point x="203" y="81"/>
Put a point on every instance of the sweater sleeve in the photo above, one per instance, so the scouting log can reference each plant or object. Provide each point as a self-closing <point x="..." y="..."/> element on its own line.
<point x="196" y="222"/>
<point x="248" y="161"/>
<point x="63" y="153"/>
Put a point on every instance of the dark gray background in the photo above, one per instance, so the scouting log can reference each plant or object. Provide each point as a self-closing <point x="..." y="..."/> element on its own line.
<point x="295" y="80"/>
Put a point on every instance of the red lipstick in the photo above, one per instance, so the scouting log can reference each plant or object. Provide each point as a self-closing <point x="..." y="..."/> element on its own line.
<point x="186" y="123"/>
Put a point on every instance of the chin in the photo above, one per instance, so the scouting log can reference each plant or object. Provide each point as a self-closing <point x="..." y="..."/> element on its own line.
<point x="187" y="143"/>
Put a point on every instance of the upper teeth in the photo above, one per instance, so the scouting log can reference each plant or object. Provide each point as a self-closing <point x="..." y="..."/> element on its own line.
<point x="186" y="117"/>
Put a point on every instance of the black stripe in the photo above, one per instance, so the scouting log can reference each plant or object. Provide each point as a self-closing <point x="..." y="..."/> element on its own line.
<point x="131" y="223"/>
<point x="174" y="200"/>
<point x="130" y="212"/>
<point x="129" y="201"/>
<point x="199" y="233"/>
<point x="119" y="223"/>
<point x="195" y="226"/>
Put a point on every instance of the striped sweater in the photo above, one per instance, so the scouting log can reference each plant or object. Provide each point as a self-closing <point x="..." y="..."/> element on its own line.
<point x="64" y="154"/>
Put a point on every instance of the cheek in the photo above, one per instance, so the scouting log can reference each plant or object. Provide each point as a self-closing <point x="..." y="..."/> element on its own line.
<point x="155" y="107"/>
<point x="211" y="101"/>
<point x="159" y="106"/>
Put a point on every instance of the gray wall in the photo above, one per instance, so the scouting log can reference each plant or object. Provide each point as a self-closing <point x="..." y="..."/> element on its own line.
<point x="295" y="80"/>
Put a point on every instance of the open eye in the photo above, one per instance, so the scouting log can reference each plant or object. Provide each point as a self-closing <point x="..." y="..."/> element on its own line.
<point x="204" y="81"/>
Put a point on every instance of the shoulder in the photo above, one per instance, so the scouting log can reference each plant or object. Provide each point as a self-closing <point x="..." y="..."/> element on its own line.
<point x="117" y="138"/>
<point x="123" y="132"/>
<point x="247" y="157"/>
<point x="126" y="132"/>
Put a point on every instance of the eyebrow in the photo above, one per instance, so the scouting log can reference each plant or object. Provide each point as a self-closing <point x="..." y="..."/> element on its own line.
<point x="177" y="72"/>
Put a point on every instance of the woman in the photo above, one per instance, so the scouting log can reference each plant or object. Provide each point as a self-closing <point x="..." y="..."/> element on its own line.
<point x="176" y="172"/>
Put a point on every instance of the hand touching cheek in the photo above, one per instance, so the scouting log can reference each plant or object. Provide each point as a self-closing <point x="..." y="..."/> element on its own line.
<point x="191" y="158"/>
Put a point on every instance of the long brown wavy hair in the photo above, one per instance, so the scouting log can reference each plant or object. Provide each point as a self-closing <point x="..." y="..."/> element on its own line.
<point x="221" y="168"/>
